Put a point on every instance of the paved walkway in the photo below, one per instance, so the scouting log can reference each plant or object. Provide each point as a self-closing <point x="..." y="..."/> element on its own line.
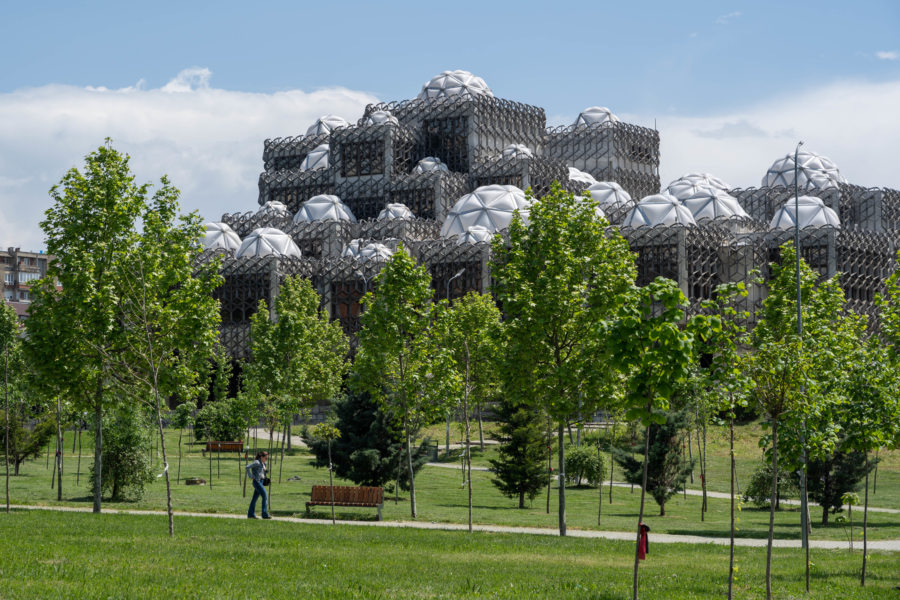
<point x="657" y="538"/>
<point x="690" y="492"/>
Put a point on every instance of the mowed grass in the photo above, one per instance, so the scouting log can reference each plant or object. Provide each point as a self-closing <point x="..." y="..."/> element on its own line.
<point x="77" y="555"/>
<point x="441" y="497"/>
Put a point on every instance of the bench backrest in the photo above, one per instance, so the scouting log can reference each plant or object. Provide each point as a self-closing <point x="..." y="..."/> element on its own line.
<point x="348" y="494"/>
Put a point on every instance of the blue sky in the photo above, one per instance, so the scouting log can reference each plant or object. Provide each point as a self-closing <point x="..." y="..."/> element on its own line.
<point x="731" y="85"/>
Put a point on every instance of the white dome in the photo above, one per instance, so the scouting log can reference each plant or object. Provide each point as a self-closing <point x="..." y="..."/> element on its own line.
<point x="316" y="159"/>
<point x="490" y="206"/>
<point x="610" y="196"/>
<point x="265" y="241"/>
<point x="324" y="207"/>
<point x="395" y="211"/>
<point x="595" y="115"/>
<point x="375" y="251"/>
<point x="326" y="124"/>
<point x="579" y="176"/>
<point x="516" y="151"/>
<point x="688" y="185"/>
<point x="475" y="235"/>
<point x="274" y="208"/>
<point x="659" y="209"/>
<point x="220" y="235"/>
<point x="380" y="117"/>
<point x="708" y="203"/>
<point x="813" y="213"/>
<point x="455" y="84"/>
<point x="366" y="252"/>
<point x="814" y="172"/>
<point x="428" y="164"/>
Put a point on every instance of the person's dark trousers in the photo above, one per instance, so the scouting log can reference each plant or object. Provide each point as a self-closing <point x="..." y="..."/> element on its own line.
<point x="259" y="491"/>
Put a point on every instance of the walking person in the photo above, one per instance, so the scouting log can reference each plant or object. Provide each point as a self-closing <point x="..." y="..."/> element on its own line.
<point x="256" y="471"/>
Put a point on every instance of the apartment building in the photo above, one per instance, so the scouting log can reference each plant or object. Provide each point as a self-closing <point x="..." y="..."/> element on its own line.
<point x="20" y="270"/>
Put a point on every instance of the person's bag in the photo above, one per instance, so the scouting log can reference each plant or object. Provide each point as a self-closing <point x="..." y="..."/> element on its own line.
<point x="266" y="481"/>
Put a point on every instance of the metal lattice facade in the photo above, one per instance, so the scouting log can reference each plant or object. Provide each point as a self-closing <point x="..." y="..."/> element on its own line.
<point x="428" y="152"/>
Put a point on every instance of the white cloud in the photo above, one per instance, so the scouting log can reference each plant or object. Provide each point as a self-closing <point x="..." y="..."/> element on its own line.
<point x="726" y="19"/>
<point x="209" y="141"/>
<point x="856" y="124"/>
<point x="887" y="55"/>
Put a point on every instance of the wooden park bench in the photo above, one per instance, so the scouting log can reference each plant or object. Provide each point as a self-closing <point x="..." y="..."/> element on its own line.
<point x="223" y="446"/>
<point x="346" y="495"/>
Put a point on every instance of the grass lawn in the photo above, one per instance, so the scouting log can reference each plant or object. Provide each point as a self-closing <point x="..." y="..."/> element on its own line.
<point x="74" y="555"/>
<point x="441" y="498"/>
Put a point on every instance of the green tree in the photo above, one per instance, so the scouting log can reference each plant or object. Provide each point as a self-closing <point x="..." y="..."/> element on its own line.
<point x="648" y="344"/>
<point x="298" y="356"/>
<point x="400" y="360"/>
<point x="126" y="462"/>
<point x="9" y="332"/>
<point x="721" y="335"/>
<point x="666" y="471"/>
<point x="520" y="468"/>
<point x="800" y="380"/>
<point x="182" y="418"/>
<point x="371" y="448"/>
<point x="23" y="441"/>
<point x="74" y="328"/>
<point x="167" y="310"/>
<point x="558" y="279"/>
<point x="584" y="464"/>
<point x="837" y="473"/>
<point x="475" y="338"/>
<point x="871" y="418"/>
<point x="329" y="433"/>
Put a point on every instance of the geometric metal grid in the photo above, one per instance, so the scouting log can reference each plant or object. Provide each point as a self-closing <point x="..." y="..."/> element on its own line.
<point x="460" y="130"/>
<point x="610" y="151"/>
<point x="281" y="154"/>
<point x="521" y="171"/>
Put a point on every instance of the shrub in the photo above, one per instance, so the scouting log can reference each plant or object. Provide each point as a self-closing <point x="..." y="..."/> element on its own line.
<point x="126" y="462"/>
<point x="224" y="420"/>
<point x="759" y="490"/>
<point x="583" y="464"/>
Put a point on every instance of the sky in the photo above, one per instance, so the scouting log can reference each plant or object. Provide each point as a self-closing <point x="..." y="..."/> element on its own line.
<point x="191" y="89"/>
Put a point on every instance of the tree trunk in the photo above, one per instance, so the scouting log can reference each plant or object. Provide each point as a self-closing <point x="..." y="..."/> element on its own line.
<point x="331" y="481"/>
<point x="637" y="545"/>
<point x="662" y="509"/>
<point x="690" y="453"/>
<point x="612" y="463"/>
<point x="397" y="487"/>
<point x="78" y="468"/>
<point x="178" y="476"/>
<point x="731" y="533"/>
<point x="862" y="578"/>
<point x="289" y="447"/>
<point x="521" y="499"/>
<point x="6" y="413"/>
<point x="875" y="475"/>
<point x="772" y="508"/>
<point x="703" y="475"/>
<point x="549" y="462"/>
<point x="59" y="451"/>
<point x="468" y="441"/>
<point x="599" y="483"/>
<point x="481" y="433"/>
<point x="98" y="446"/>
<point x="562" y="476"/>
<point x="281" y="462"/>
<point x="412" y="475"/>
<point x="162" y="447"/>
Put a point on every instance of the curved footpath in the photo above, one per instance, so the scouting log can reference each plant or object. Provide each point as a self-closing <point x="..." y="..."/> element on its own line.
<point x="659" y="538"/>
